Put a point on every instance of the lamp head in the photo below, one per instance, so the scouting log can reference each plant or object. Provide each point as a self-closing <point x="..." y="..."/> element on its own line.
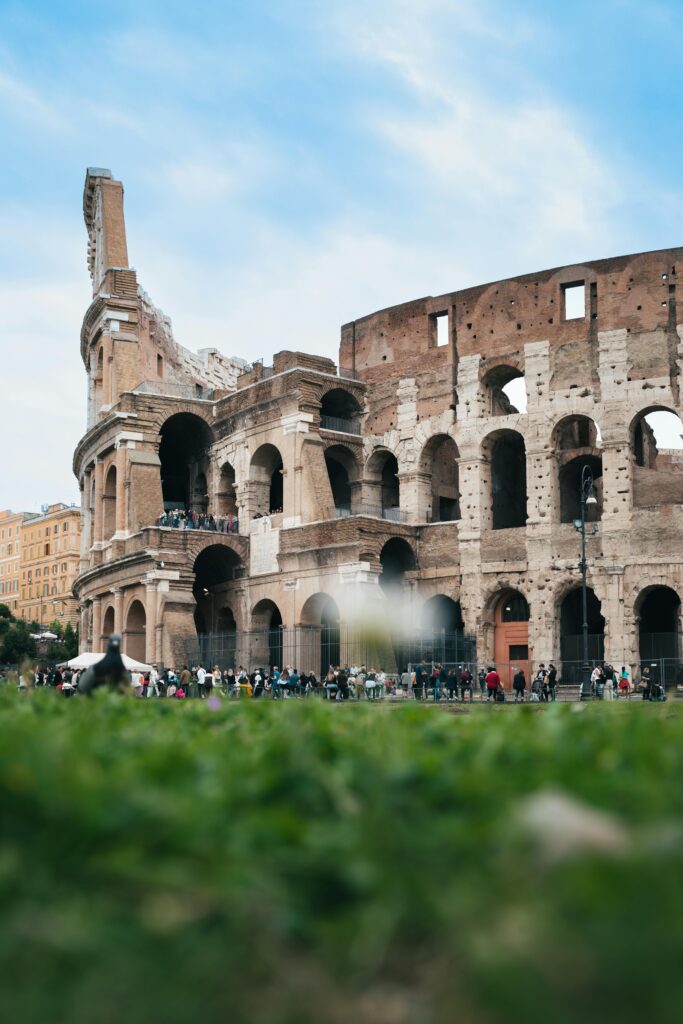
<point x="591" y="499"/>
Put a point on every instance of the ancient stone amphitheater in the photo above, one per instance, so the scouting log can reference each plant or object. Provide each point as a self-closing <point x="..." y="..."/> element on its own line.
<point x="248" y="513"/>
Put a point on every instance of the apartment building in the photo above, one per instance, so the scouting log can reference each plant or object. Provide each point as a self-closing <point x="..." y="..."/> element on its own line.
<point x="11" y="526"/>
<point x="50" y="549"/>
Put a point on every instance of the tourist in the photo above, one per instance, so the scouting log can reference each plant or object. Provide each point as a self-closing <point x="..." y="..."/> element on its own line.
<point x="608" y="672"/>
<point x="542" y="679"/>
<point x="482" y="682"/>
<point x="452" y="682"/>
<point x="493" y="683"/>
<point x="552" y="681"/>
<point x="466" y="683"/>
<point x="519" y="685"/>
<point x="598" y="682"/>
<point x="624" y="683"/>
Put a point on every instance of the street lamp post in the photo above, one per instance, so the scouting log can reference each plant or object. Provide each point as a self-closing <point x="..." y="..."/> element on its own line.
<point x="587" y="496"/>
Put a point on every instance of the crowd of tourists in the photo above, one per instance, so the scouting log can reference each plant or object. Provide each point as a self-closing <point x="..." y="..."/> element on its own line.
<point x="181" y="519"/>
<point x="424" y="681"/>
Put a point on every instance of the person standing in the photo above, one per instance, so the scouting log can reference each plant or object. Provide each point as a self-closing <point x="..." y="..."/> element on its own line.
<point x="201" y="679"/>
<point x="542" y="680"/>
<point x="519" y="685"/>
<point x="608" y="672"/>
<point x="624" y="683"/>
<point x="465" y="681"/>
<point x="552" y="681"/>
<point x="493" y="683"/>
<point x="482" y="682"/>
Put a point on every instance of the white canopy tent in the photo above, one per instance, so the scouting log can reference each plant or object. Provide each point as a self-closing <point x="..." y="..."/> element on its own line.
<point x="89" y="658"/>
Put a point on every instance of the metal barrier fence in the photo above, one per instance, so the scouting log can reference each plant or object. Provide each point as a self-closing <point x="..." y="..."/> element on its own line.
<point x="315" y="648"/>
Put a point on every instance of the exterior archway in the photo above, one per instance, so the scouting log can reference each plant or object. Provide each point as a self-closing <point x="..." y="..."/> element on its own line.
<point x="439" y="467"/>
<point x="134" y="637"/>
<point x="511" y="636"/>
<point x="576" y="441"/>
<point x="216" y="568"/>
<point x="571" y="633"/>
<point x="185" y="442"/>
<point x="227" y="493"/>
<point x="658" y="610"/>
<point x="266" y="480"/>
<point x="396" y="558"/>
<point x="382" y="485"/>
<point x="107" y="625"/>
<point x="443" y="633"/>
<point x="500" y="398"/>
<point x="109" y="504"/>
<point x="320" y="633"/>
<point x="504" y="476"/>
<point x="342" y="472"/>
<point x="339" y="410"/>
<point x="657" y="451"/>
<point x="267" y="634"/>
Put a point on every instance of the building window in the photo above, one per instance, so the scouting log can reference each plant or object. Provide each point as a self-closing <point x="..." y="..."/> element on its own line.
<point x="574" y="301"/>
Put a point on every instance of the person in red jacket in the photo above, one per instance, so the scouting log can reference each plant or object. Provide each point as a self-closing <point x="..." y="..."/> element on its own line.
<point x="493" y="683"/>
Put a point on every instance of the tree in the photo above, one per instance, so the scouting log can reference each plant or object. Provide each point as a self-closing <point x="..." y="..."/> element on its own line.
<point x="5" y="613"/>
<point x="17" y="644"/>
<point x="70" y="642"/>
<point x="56" y="627"/>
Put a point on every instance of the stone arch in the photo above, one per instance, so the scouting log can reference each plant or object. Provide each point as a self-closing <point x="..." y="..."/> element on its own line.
<point x="503" y="480"/>
<point x="340" y="410"/>
<point x="576" y="442"/>
<point x="511" y="651"/>
<point x="184" y="449"/>
<point x="194" y="544"/>
<point x="657" y="468"/>
<point x="109" y="504"/>
<point x="226" y="498"/>
<point x="98" y="379"/>
<point x="382" y="485"/>
<point x="134" y="635"/>
<point x="397" y="557"/>
<point x="320" y="632"/>
<point x="657" y="612"/>
<point x="268" y="638"/>
<point x="439" y="500"/>
<point x="266" y="481"/>
<point x="570" y="616"/>
<point x="108" y="623"/>
<point x="217" y="567"/>
<point x="343" y="471"/>
<point x="498" y="395"/>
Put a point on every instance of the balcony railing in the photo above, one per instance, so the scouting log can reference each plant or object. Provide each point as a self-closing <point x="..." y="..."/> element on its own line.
<point x="340" y="424"/>
<point x="393" y="515"/>
<point x="178" y="520"/>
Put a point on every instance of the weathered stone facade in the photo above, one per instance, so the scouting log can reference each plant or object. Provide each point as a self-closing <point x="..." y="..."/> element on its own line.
<point x="412" y="443"/>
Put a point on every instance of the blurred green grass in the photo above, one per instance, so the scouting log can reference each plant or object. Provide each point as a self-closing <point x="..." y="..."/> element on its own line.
<point x="277" y="863"/>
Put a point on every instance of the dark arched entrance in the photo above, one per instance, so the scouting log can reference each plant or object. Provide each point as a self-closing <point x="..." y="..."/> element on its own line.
<point x="320" y="633"/>
<point x="396" y="558"/>
<point x="184" y="456"/>
<point x="571" y="633"/>
<point x="659" y="640"/>
<point x="216" y="570"/>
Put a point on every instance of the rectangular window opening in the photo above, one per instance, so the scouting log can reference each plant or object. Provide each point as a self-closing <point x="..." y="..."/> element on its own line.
<point x="440" y="327"/>
<point x="574" y="301"/>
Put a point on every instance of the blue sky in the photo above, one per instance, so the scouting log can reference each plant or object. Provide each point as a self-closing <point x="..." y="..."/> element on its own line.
<point x="292" y="165"/>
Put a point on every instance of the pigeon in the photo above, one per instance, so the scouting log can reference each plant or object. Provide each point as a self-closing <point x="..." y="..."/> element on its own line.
<point x="110" y="671"/>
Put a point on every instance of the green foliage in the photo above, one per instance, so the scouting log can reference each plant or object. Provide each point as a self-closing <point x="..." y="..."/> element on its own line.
<point x="56" y="627"/>
<point x="69" y="642"/>
<point x="298" y="863"/>
<point x="17" y="644"/>
<point x="5" y="613"/>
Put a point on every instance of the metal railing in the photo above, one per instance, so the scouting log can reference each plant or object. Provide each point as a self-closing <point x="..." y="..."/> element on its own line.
<point x="179" y="520"/>
<point x="340" y="424"/>
<point x="393" y="515"/>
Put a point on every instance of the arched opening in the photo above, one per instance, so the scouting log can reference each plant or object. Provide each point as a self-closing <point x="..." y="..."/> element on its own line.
<point x="267" y="622"/>
<point x="134" y="637"/>
<point x="109" y="505"/>
<point x="227" y="493"/>
<point x="266" y="477"/>
<point x="571" y="633"/>
<point x="657" y="448"/>
<point x="216" y="569"/>
<point x="511" y="635"/>
<point x="339" y="410"/>
<point x="107" y="626"/>
<point x="342" y="472"/>
<point x="320" y="630"/>
<point x="396" y="558"/>
<point x="443" y="633"/>
<point x="184" y="455"/>
<point x="383" y="485"/>
<point x="505" y="391"/>
<point x="577" y="444"/>
<point x="506" y="453"/>
<point x="659" y="642"/>
<point x="439" y="464"/>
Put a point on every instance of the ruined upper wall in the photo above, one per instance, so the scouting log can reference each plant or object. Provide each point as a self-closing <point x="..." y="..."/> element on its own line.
<point x="636" y="293"/>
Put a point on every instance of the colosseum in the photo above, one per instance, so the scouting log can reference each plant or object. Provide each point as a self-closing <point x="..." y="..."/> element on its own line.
<point x="264" y="514"/>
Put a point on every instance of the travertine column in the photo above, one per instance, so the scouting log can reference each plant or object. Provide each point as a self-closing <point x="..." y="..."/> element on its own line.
<point x="121" y="468"/>
<point x="118" y="611"/>
<point x="97" y="624"/>
<point x="98" y="518"/>
<point x="151" y="624"/>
